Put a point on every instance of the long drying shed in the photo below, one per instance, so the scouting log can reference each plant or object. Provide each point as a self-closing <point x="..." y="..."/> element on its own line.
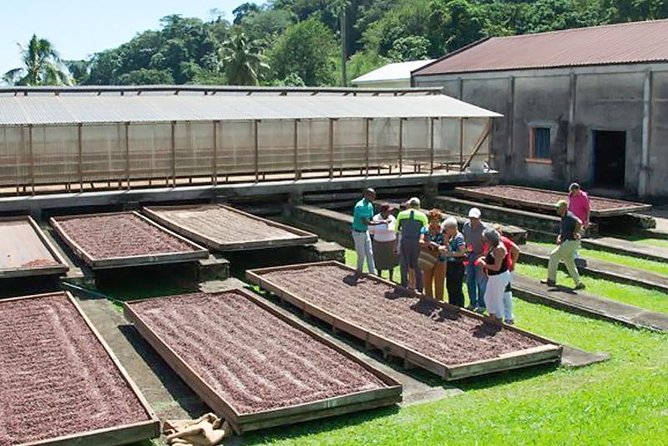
<point x="76" y="139"/>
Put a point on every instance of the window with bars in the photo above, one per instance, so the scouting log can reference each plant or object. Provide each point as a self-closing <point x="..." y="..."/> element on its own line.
<point x="540" y="143"/>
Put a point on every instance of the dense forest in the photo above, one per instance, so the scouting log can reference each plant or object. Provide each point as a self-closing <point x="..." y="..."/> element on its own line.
<point x="304" y="42"/>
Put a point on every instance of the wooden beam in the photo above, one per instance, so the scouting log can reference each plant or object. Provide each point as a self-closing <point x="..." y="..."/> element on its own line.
<point x="401" y="146"/>
<point x="31" y="160"/>
<point x="483" y="136"/>
<point x="214" y="155"/>
<point x="295" y="134"/>
<point x="432" y="147"/>
<point x="80" y="156"/>
<point x="256" y="151"/>
<point x="173" y="154"/>
<point x="461" y="141"/>
<point x="127" y="154"/>
<point x="366" y="145"/>
<point x="331" y="148"/>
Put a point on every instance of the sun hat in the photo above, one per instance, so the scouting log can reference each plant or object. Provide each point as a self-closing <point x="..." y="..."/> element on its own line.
<point x="474" y="213"/>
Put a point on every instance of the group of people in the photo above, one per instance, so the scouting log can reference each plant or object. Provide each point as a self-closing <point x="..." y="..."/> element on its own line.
<point x="434" y="255"/>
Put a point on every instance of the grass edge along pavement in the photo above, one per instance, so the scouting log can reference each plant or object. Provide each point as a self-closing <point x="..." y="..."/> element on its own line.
<point x="622" y="401"/>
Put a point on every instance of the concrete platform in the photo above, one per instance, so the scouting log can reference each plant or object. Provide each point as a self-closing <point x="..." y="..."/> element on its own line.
<point x="588" y="305"/>
<point x="625" y="247"/>
<point x="532" y="253"/>
<point x="222" y="192"/>
<point x="574" y="358"/>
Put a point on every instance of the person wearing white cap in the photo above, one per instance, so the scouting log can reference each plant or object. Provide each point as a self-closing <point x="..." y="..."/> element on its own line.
<point x="476" y="280"/>
<point x="409" y="226"/>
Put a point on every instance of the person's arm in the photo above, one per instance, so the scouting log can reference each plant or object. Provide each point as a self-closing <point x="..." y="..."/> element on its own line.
<point x="576" y="231"/>
<point x="499" y="254"/>
<point x="587" y="212"/>
<point x="514" y="252"/>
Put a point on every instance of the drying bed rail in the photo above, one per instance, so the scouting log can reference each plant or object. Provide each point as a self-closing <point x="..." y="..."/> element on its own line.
<point x="449" y="341"/>
<point x="254" y="365"/>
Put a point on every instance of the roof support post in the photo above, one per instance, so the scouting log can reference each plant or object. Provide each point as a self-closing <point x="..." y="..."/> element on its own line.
<point x="173" y="167"/>
<point x="646" y="134"/>
<point x="331" y="148"/>
<point x="214" y="155"/>
<point x="80" y="156"/>
<point x="432" y="147"/>
<point x="366" y="145"/>
<point x="31" y="160"/>
<point x="462" y="123"/>
<point x="256" y="151"/>
<point x="127" y="154"/>
<point x="295" y="134"/>
<point x="401" y="145"/>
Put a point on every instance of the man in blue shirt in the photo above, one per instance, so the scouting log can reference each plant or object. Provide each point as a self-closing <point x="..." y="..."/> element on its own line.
<point x="362" y="219"/>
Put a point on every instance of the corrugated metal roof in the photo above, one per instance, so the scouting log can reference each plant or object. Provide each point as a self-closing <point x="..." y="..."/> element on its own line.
<point x="392" y="72"/>
<point x="23" y="110"/>
<point x="626" y="43"/>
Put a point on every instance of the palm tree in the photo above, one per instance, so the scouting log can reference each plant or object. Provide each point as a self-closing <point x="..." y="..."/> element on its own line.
<point x="340" y="7"/>
<point x="41" y="65"/>
<point x="243" y="60"/>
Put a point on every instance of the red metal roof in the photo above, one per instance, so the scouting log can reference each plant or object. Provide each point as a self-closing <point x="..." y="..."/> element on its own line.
<point x="601" y="45"/>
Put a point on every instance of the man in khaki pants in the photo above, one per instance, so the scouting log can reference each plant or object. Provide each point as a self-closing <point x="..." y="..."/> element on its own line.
<point x="568" y="243"/>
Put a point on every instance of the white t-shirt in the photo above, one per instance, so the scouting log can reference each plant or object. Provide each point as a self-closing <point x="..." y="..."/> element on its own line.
<point x="384" y="232"/>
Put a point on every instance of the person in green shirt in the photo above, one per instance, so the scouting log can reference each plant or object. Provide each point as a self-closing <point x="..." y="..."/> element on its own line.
<point x="362" y="219"/>
<point x="409" y="226"/>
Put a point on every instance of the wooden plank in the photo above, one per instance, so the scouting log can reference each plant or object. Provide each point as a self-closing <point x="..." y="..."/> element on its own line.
<point x="286" y="415"/>
<point x="130" y="261"/>
<point x="483" y="136"/>
<point x="520" y="359"/>
<point x="157" y="213"/>
<point x="45" y="247"/>
<point x="112" y="436"/>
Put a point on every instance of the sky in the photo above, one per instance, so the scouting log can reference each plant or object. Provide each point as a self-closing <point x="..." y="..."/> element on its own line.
<point x="79" y="28"/>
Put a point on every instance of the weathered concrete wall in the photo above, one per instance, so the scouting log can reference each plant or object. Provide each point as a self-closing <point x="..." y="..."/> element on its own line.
<point x="598" y="98"/>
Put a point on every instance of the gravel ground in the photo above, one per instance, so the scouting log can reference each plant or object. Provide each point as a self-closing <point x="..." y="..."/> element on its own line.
<point x="545" y="197"/>
<point x="415" y="323"/>
<point x="55" y="377"/>
<point x="108" y="236"/>
<point x="225" y="226"/>
<point x="252" y="359"/>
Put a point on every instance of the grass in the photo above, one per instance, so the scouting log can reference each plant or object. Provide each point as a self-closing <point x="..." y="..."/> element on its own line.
<point x="623" y="401"/>
<point x="631" y="262"/>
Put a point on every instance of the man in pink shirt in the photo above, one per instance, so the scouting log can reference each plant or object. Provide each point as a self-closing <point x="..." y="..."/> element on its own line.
<point x="578" y="204"/>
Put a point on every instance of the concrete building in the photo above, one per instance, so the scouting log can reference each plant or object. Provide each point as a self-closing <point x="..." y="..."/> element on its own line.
<point x="587" y="105"/>
<point x="394" y="75"/>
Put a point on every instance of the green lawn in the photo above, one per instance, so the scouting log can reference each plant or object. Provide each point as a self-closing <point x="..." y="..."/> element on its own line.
<point x="631" y="262"/>
<point x="621" y="402"/>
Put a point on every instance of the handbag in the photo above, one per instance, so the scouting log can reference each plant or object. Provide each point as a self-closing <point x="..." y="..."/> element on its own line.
<point x="427" y="259"/>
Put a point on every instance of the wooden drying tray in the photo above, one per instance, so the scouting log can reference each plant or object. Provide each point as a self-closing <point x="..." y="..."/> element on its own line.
<point x="200" y="235"/>
<point x="275" y="417"/>
<point x="129" y="261"/>
<point x="547" y="353"/>
<point x="113" y="436"/>
<point x="477" y="194"/>
<point x="40" y="246"/>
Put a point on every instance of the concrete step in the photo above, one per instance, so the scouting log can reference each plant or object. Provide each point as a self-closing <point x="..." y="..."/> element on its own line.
<point x="625" y="247"/>
<point x="585" y="304"/>
<point x="533" y="253"/>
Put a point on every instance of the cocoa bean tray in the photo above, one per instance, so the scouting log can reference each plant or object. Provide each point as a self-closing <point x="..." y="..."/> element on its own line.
<point x="61" y="383"/>
<point x="544" y="200"/>
<point x="254" y="365"/>
<point x="224" y="228"/>
<point x="26" y="251"/>
<point x="444" y="339"/>
<point x="124" y="239"/>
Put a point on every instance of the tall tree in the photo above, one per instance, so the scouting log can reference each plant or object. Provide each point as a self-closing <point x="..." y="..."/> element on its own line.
<point x="243" y="61"/>
<point x="341" y="9"/>
<point x="41" y="65"/>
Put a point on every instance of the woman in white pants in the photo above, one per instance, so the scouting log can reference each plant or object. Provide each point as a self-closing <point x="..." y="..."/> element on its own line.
<point x="495" y="264"/>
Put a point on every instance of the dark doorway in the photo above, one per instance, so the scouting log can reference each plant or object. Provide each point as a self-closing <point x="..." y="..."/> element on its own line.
<point x="609" y="158"/>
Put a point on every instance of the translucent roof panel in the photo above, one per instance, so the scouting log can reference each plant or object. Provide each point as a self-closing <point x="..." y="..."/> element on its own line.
<point x="392" y="72"/>
<point x="65" y="109"/>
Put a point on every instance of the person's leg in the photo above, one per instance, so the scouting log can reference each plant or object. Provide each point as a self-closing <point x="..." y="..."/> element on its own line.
<point x="459" y="283"/>
<point x="471" y="285"/>
<point x="413" y="255"/>
<point x="553" y="263"/>
<point x="428" y="282"/>
<point x="359" y="239"/>
<point x="481" y="283"/>
<point x="368" y="250"/>
<point x="508" y="316"/>
<point x="439" y="280"/>
<point x="411" y="278"/>
<point x="403" y="267"/>
<point x="568" y="250"/>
